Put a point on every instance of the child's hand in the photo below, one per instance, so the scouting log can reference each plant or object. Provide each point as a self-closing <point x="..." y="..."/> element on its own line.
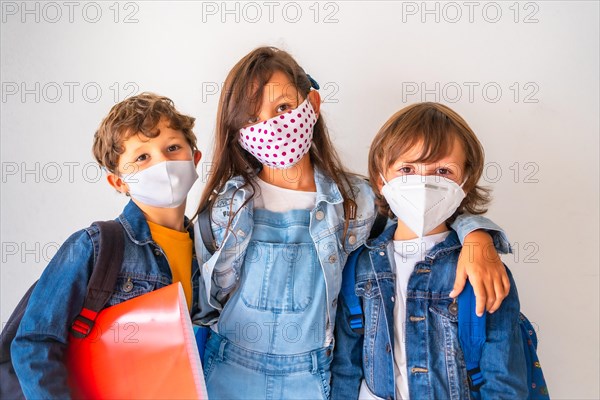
<point x="480" y="262"/>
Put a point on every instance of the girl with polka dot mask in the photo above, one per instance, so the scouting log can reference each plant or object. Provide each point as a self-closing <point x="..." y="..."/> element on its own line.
<point x="281" y="141"/>
<point x="284" y="215"/>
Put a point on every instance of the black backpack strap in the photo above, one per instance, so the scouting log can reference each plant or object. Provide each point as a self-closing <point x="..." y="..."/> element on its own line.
<point x="104" y="276"/>
<point x="378" y="225"/>
<point x="206" y="231"/>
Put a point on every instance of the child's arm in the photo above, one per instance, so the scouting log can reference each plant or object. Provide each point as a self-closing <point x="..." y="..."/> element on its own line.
<point x="503" y="364"/>
<point x="346" y="367"/>
<point x="479" y="261"/>
<point x="39" y="346"/>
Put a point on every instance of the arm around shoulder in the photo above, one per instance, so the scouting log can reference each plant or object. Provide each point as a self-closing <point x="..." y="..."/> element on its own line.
<point x="466" y="223"/>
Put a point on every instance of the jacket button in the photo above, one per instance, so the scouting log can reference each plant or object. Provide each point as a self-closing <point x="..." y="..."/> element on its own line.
<point x="368" y="286"/>
<point x="127" y="286"/>
<point x="393" y="299"/>
<point x="382" y="253"/>
<point x="157" y="252"/>
<point x="453" y="308"/>
<point x="332" y="259"/>
<point x="352" y="239"/>
<point x="320" y="215"/>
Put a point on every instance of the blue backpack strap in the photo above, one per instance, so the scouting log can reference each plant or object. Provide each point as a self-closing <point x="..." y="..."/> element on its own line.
<point x="356" y="318"/>
<point x="471" y="334"/>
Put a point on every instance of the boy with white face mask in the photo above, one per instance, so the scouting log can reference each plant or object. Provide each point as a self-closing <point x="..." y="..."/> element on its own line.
<point x="149" y="152"/>
<point x="425" y="163"/>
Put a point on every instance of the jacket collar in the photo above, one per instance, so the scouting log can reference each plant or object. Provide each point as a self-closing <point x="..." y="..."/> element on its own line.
<point x="327" y="190"/>
<point x="450" y="244"/>
<point x="382" y="240"/>
<point x="133" y="221"/>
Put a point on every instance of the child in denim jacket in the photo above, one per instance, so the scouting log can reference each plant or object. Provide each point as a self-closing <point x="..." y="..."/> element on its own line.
<point x="149" y="151"/>
<point x="424" y="164"/>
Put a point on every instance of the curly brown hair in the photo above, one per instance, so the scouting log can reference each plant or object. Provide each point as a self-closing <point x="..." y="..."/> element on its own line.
<point x="139" y="114"/>
<point x="435" y="127"/>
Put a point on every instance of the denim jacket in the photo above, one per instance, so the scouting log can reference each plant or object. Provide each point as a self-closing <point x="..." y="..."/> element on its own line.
<point x="38" y="349"/>
<point x="221" y="271"/>
<point x="435" y="363"/>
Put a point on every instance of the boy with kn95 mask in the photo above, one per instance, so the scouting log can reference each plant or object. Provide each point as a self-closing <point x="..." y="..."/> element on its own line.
<point x="424" y="163"/>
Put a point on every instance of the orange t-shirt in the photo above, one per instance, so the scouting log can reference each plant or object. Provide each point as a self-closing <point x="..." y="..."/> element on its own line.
<point x="178" y="247"/>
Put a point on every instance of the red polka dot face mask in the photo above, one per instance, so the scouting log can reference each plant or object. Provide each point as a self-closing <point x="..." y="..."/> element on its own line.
<point x="280" y="142"/>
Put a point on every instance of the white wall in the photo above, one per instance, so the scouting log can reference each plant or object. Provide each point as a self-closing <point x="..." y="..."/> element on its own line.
<point x="540" y="131"/>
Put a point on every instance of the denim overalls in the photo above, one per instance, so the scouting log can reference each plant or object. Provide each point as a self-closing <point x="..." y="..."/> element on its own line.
<point x="271" y="342"/>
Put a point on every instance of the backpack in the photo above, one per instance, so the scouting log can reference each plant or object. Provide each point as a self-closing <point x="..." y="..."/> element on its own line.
<point x="472" y="336"/>
<point x="471" y="332"/>
<point x="206" y="234"/>
<point x="100" y="288"/>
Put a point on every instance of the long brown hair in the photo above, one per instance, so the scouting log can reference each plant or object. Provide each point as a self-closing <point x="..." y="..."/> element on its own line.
<point x="240" y="98"/>
<point x="436" y="127"/>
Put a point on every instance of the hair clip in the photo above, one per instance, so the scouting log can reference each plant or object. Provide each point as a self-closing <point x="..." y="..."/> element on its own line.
<point x="313" y="83"/>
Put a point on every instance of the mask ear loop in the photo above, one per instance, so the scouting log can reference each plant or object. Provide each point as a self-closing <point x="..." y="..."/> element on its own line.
<point x="383" y="178"/>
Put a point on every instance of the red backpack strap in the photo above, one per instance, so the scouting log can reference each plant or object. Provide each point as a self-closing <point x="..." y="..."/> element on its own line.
<point x="104" y="276"/>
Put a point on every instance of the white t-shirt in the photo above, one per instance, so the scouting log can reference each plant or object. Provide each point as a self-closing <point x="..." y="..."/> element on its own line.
<point x="277" y="199"/>
<point x="407" y="253"/>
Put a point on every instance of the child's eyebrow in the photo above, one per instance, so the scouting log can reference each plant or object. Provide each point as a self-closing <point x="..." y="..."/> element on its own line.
<point x="279" y="98"/>
<point x="137" y="148"/>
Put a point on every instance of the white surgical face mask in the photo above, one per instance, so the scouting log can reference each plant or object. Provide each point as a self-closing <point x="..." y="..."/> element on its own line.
<point x="281" y="141"/>
<point x="422" y="202"/>
<point x="164" y="185"/>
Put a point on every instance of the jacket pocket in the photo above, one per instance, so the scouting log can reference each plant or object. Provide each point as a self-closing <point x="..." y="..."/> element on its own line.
<point x="128" y="287"/>
<point x="371" y="287"/>
<point x="367" y="289"/>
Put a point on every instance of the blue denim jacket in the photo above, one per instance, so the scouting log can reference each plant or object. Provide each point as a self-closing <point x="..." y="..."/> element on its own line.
<point x="221" y="271"/>
<point x="436" y="368"/>
<point x="38" y="349"/>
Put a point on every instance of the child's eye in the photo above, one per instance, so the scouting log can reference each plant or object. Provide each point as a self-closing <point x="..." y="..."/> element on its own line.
<point x="252" y="120"/>
<point x="443" y="171"/>
<point x="281" y="108"/>
<point x="405" y="170"/>
<point x="174" y="147"/>
<point x="141" y="158"/>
